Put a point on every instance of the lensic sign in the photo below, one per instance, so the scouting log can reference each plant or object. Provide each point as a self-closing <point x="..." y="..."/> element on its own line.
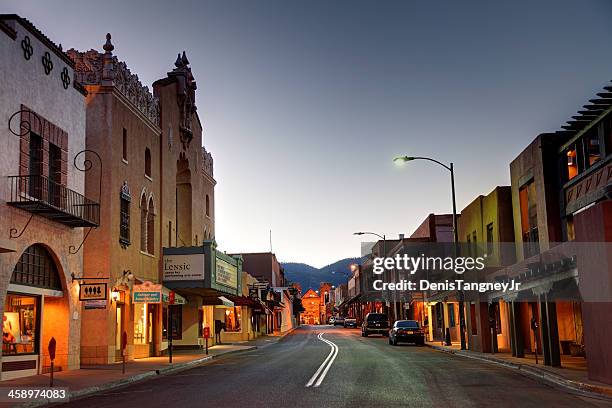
<point x="184" y="267"/>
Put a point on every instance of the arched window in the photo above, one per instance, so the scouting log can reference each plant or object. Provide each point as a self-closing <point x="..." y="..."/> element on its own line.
<point x="147" y="162"/>
<point x="151" y="227"/>
<point x="124" y="219"/>
<point x="37" y="268"/>
<point x="207" y="205"/>
<point x="143" y="223"/>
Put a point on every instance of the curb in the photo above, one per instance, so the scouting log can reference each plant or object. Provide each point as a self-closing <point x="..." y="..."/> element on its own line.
<point x="89" y="391"/>
<point x="538" y="374"/>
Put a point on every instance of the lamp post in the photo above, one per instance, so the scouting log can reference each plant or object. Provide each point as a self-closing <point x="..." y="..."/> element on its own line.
<point x="404" y="159"/>
<point x="384" y="240"/>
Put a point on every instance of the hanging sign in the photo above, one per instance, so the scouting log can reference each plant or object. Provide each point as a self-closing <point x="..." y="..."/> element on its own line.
<point x="92" y="291"/>
<point x="147" y="292"/>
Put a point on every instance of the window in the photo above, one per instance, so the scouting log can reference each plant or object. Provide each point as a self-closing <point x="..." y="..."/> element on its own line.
<point x="175" y="321"/>
<point x="124" y="219"/>
<point x="124" y="145"/>
<point x="143" y="223"/>
<point x="592" y="150"/>
<point x="572" y="162"/>
<point x="147" y="162"/>
<point x="151" y="227"/>
<point x="20" y="324"/>
<point x="36" y="162"/>
<point x="608" y="137"/>
<point x="207" y="205"/>
<point x="232" y="319"/>
<point x="490" y="239"/>
<point x="37" y="268"/>
<point x="140" y="323"/>
<point x="451" y="315"/>
<point x="529" y="218"/>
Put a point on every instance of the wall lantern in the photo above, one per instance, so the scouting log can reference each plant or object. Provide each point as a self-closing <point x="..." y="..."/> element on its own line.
<point x="114" y="295"/>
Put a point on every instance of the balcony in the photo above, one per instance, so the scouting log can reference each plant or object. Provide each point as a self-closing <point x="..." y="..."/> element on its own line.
<point x="39" y="195"/>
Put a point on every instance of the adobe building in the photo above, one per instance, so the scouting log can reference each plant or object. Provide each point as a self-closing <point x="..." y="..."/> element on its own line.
<point x="43" y="204"/>
<point x="123" y="128"/>
<point x="311" y="301"/>
<point x="486" y="227"/>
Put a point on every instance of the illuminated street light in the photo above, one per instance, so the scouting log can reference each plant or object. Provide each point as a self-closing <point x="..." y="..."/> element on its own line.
<point x="399" y="160"/>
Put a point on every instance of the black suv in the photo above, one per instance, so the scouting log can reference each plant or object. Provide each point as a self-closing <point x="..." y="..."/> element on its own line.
<point x="375" y="323"/>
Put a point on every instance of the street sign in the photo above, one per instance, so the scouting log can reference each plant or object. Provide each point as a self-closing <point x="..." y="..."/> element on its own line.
<point x="92" y="291"/>
<point x="147" y="292"/>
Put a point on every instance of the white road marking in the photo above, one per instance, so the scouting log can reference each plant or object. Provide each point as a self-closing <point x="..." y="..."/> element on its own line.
<point x="327" y="363"/>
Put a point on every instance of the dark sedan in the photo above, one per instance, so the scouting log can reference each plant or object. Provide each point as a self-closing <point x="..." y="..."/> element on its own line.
<point x="407" y="331"/>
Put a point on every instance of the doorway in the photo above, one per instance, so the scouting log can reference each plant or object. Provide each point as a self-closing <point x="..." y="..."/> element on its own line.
<point x="119" y="328"/>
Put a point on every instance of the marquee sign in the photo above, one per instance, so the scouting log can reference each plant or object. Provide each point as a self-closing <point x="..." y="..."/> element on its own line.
<point x="92" y="291"/>
<point x="183" y="267"/>
<point x="226" y="274"/>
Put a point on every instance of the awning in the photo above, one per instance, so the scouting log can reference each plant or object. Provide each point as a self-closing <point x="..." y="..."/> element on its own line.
<point x="226" y="302"/>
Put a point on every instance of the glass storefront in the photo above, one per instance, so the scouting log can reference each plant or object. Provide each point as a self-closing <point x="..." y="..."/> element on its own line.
<point x="20" y="324"/>
<point x="140" y="323"/>
<point x="232" y="319"/>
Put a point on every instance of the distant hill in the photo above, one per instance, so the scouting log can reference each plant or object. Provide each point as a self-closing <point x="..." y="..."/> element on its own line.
<point x="310" y="277"/>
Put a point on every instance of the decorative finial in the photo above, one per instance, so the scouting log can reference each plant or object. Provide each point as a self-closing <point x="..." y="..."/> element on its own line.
<point x="184" y="59"/>
<point x="178" y="63"/>
<point x="108" y="46"/>
<point x="60" y="47"/>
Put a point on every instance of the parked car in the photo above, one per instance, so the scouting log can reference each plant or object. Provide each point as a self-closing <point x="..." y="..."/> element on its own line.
<point x="331" y="320"/>
<point x="339" y="321"/>
<point x="375" y="323"/>
<point x="350" y="322"/>
<point x="407" y="331"/>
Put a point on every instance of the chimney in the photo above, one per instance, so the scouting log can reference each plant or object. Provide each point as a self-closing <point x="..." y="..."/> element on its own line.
<point x="401" y="236"/>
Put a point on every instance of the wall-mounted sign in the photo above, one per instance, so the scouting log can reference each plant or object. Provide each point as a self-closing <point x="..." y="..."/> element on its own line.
<point x="94" y="304"/>
<point x="183" y="267"/>
<point x="147" y="292"/>
<point x="226" y="274"/>
<point x="92" y="291"/>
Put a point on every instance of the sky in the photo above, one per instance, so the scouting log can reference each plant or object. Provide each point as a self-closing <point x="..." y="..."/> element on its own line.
<point x="305" y="103"/>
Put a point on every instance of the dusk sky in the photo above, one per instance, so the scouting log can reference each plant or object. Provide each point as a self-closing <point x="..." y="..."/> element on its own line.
<point x="304" y="104"/>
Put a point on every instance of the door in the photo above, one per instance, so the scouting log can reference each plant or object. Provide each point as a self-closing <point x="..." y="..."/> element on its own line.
<point x="119" y="327"/>
<point x="152" y="327"/>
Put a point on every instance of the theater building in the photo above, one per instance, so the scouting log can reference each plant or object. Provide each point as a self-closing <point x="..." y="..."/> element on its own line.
<point x="43" y="206"/>
<point x="311" y="301"/>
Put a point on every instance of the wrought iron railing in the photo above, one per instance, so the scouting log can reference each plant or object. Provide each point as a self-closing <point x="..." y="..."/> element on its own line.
<point x="39" y="194"/>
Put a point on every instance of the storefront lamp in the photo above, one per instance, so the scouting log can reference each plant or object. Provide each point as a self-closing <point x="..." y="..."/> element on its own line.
<point x="114" y="295"/>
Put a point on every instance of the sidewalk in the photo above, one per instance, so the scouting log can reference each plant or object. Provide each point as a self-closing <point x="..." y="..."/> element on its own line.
<point x="571" y="375"/>
<point x="90" y="380"/>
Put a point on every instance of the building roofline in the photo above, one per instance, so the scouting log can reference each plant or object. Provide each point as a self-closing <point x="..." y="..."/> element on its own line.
<point x="28" y="25"/>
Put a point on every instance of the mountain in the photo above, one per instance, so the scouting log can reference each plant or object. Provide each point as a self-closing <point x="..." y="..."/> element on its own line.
<point x="310" y="277"/>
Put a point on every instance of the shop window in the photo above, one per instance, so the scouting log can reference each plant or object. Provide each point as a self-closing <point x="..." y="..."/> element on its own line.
<point x="498" y="325"/>
<point x="124" y="219"/>
<point x="571" y="234"/>
<point x="20" y="324"/>
<point x="36" y="268"/>
<point x="592" y="150"/>
<point x="451" y="315"/>
<point x="232" y="319"/>
<point x="176" y="321"/>
<point x="140" y="323"/>
<point x="147" y="162"/>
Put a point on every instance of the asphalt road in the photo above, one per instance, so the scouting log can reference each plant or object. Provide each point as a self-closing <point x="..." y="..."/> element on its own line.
<point x="366" y="372"/>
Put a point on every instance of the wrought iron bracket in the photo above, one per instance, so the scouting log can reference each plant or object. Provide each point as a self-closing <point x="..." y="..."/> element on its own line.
<point x="13" y="232"/>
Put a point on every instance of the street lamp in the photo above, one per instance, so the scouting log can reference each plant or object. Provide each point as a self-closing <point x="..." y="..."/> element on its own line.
<point x="404" y="159"/>
<point x="384" y="240"/>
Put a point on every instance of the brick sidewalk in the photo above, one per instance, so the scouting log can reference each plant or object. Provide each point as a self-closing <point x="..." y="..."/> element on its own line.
<point x="90" y="380"/>
<point x="572" y="375"/>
